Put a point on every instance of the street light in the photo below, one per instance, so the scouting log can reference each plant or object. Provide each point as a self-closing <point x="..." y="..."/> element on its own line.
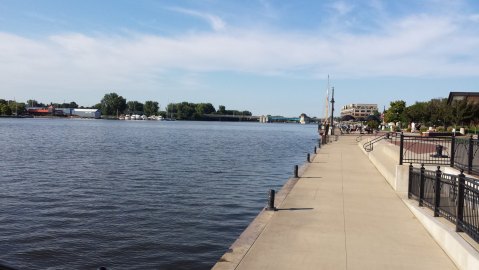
<point x="332" y="112"/>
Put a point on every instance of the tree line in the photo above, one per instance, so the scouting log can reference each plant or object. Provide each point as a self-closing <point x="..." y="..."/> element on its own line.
<point x="115" y="105"/>
<point x="436" y="112"/>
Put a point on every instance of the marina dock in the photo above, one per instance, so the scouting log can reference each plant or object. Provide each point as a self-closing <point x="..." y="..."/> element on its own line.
<point x="340" y="214"/>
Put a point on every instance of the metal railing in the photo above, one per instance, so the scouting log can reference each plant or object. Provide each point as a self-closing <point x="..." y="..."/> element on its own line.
<point x="454" y="197"/>
<point x="460" y="153"/>
<point x="466" y="157"/>
<point x="369" y="146"/>
<point x="426" y="150"/>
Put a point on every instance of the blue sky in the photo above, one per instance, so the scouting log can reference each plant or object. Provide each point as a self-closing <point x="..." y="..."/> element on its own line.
<point x="269" y="57"/>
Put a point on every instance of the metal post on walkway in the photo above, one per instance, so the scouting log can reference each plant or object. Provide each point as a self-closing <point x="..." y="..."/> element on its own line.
<point x="470" y="156"/>
<point x="453" y="149"/>
<point x="315" y="150"/>
<point x="437" y="191"/>
<point x="308" y="158"/>
<point x="421" y="185"/>
<point x="409" y="181"/>
<point x="401" y="149"/>
<point x="296" y="171"/>
<point x="460" y="201"/>
<point x="271" y="197"/>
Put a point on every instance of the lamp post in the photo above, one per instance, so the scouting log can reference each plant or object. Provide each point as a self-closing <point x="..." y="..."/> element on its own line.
<point x="332" y="112"/>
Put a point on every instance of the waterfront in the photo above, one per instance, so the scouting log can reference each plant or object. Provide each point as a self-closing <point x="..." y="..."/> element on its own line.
<point x="136" y="195"/>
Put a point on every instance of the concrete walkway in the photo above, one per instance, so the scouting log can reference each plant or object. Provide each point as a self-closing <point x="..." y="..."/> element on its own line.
<point x="342" y="214"/>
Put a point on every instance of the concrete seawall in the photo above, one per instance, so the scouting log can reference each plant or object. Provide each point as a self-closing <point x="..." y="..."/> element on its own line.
<point x="238" y="250"/>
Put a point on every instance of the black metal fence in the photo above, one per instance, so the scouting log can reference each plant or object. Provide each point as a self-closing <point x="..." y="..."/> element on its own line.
<point x="427" y="150"/>
<point x="460" y="153"/>
<point x="466" y="155"/>
<point x="454" y="197"/>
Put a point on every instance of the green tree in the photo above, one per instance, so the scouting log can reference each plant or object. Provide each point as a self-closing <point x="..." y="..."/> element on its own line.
<point x="5" y="109"/>
<point x="113" y="104"/>
<point x="16" y="107"/>
<point x="205" y="108"/>
<point x="185" y="110"/>
<point x="151" y="108"/>
<point x="462" y="112"/>
<point x="135" y="107"/>
<point x="416" y="113"/>
<point x="221" y="109"/>
<point x="33" y="103"/>
<point x="395" y="111"/>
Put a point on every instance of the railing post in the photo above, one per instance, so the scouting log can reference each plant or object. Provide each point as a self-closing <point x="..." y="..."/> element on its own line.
<point x="319" y="142"/>
<point x="453" y="149"/>
<point x="437" y="193"/>
<point x="470" y="156"/>
<point x="308" y="158"/>
<point x="401" y="149"/>
<point x="409" y="181"/>
<point x="421" y="185"/>
<point x="315" y="150"/>
<point x="296" y="171"/>
<point x="460" y="201"/>
<point x="271" y="197"/>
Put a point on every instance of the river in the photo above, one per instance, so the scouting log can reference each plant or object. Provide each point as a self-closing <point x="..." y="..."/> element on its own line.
<point x="80" y="194"/>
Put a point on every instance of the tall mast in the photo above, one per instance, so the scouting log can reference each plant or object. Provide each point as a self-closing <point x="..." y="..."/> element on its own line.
<point x="326" y="107"/>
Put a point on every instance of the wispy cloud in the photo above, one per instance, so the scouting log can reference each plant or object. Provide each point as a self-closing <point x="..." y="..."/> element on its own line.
<point x="412" y="46"/>
<point x="44" y="18"/>
<point x="342" y="8"/>
<point x="216" y="22"/>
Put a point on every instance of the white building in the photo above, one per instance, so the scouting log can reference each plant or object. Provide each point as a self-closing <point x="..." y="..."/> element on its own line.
<point x="358" y="110"/>
<point x="87" y="113"/>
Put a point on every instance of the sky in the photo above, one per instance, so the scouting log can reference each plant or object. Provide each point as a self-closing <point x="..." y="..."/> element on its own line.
<point x="266" y="56"/>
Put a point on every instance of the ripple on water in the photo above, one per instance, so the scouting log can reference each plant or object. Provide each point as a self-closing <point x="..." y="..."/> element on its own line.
<point x="136" y="195"/>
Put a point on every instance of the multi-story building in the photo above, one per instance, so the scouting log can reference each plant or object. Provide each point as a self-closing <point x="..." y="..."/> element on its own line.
<point x="358" y="110"/>
<point x="470" y="97"/>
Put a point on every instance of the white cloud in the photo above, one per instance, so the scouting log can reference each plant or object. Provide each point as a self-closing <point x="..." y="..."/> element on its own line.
<point x="216" y="22"/>
<point x="415" y="46"/>
<point x="342" y="8"/>
<point x="474" y="18"/>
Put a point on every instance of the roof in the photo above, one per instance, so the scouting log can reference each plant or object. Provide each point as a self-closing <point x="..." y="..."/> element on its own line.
<point x="466" y="95"/>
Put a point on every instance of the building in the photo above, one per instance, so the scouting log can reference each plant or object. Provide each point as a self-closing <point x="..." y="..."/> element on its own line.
<point x="358" y="110"/>
<point x="86" y="113"/>
<point x="470" y="97"/>
<point x="304" y="119"/>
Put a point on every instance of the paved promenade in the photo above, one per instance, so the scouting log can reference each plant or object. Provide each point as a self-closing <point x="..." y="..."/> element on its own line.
<point x="342" y="214"/>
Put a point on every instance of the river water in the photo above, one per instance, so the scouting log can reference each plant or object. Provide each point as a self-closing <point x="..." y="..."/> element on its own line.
<point x="80" y="194"/>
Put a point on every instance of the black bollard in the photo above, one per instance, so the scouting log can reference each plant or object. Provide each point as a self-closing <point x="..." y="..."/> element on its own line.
<point x="271" y="201"/>
<point x="315" y="150"/>
<point x="308" y="158"/>
<point x="296" y="171"/>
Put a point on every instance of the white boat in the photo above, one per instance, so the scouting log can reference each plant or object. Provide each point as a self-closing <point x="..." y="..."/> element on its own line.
<point x="143" y="117"/>
<point x="127" y="117"/>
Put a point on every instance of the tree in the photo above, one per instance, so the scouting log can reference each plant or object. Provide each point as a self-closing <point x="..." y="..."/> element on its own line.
<point x="395" y="111"/>
<point x="113" y="104"/>
<point x="205" y="108"/>
<point x="416" y="113"/>
<point x="151" y="108"/>
<point x="5" y="109"/>
<point x="221" y="109"/>
<point x="462" y="112"/>
<point x="135" y="107"/>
